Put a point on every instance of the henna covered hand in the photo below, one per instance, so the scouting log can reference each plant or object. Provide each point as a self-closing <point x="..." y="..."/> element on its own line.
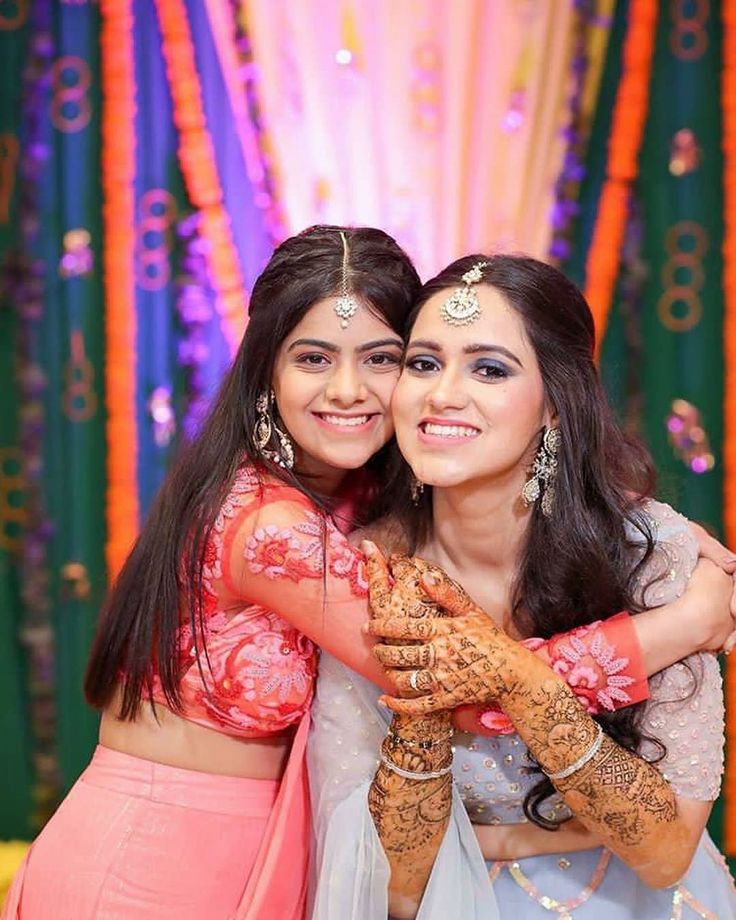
<point x="462" y="659"/>
<point x="395" y="587"/>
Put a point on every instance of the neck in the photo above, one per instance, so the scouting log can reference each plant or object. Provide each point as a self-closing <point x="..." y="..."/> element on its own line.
<point x="479" y="525"/>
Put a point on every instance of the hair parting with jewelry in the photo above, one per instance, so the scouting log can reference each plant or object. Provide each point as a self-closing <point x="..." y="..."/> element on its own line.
<point x="577" y="565"/>
<point x="139" y="623"/>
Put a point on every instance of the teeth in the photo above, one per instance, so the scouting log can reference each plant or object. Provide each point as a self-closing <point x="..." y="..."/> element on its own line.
<point x="346" y="422"/>
<point x="449" y="431"/>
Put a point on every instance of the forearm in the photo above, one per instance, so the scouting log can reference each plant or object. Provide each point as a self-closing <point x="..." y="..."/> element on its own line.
<point x="411" y="815"/>
<point x="662" y="639"/>
<point x="615" y="794"/>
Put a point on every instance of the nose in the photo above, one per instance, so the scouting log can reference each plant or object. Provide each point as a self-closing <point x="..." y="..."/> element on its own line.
<point x="346" y="387"/>
<point x="447" y="392"/>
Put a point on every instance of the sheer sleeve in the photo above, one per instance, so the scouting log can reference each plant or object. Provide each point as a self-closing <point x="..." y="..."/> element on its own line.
<point x="686" y="710"/>
<point x="274" y="550"/>
<point x="351" y="872"/>
<point x="602" y="663"/>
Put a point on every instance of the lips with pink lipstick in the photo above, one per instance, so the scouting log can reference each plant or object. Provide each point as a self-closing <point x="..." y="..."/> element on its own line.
<point x="446" y="431"/>
<point x="347" y="422"/>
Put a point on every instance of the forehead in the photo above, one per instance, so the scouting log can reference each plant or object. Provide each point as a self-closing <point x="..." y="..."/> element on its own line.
<point x="498" y="323"/>
<point x="321" y="321"/>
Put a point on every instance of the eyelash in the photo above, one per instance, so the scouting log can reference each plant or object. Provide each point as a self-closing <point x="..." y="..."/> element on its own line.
<point x="424" y="364"/>
<point x="313" y="359"/>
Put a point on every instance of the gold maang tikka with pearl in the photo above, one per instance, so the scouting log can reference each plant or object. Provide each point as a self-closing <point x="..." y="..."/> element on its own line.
<point x="346" y="305"/>
<point x="462" y="306"/>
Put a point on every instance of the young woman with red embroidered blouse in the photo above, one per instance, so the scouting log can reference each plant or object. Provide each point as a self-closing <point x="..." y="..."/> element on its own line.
<point x="204" y="664"/>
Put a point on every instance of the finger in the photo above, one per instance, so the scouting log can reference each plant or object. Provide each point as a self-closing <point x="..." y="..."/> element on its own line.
<point x="379" y="581"/>
<point x="712" y="549"/>
<point x="447" y="593"/>
<point x="405" y="656"/>
<point x="412" y="683"/>
<point x="406" y="628"/>
<point x="416" y="707"/>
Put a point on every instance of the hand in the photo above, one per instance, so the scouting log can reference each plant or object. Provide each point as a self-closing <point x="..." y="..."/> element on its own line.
<point x="705" y="608"/>
<point x="465" y="658"/>
<point x="716" y="552"/>
<point x="394" y="587"/>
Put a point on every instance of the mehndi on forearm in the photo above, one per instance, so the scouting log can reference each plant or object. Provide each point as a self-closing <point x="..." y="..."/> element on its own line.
<point x="614" y="792"/>
<point x="411" y="814"/>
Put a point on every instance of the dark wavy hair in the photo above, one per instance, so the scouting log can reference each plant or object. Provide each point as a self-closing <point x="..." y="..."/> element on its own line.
<point x="137" y="631"/>
<point x="578" y="565"/>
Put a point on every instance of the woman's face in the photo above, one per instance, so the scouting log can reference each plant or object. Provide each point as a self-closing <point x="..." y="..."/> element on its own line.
<point x="333" y="388"/>
<point x="470" y="403"/>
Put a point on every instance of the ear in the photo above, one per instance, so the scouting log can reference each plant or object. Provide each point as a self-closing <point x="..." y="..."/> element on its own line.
<point x="550" y="418"/>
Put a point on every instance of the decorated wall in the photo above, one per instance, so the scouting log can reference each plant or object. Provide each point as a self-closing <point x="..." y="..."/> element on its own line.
<point x="152" y="153"/>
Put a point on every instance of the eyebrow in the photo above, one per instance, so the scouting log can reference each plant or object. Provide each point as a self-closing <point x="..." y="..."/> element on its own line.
<point x="334" y="349"/>
<point x="474" y="349"/>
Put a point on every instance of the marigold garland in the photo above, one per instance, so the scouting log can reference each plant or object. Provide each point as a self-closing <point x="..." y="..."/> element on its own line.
<point x="198" y="164"/>
<point x="627" y="129"/>
<point x="728" y="99"/>
<point x="118" y="174"/>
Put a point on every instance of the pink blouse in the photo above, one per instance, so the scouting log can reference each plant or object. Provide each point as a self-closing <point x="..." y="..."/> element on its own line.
<point x="257" y="676"/>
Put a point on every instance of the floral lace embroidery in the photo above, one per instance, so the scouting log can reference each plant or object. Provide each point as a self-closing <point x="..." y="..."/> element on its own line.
<point x="283" y="553"/>
<point x="588" y="663"/>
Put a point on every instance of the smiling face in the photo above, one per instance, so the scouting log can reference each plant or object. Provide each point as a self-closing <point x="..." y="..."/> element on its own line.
<point x="470" y="404"/>
<point x="333" y="389"/>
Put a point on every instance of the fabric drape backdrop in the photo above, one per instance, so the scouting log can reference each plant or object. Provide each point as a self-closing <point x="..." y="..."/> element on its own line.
<point x="438" y="121"/>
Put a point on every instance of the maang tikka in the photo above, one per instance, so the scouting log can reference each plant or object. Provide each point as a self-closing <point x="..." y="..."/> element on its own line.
<point x="266" y="428"/>
<point x="346" y="305"/>
<point x="462" y="307"/>
<point x="544" y="471"/>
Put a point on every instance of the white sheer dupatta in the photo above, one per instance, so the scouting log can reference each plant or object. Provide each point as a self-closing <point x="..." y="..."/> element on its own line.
<point x="350" y="871"/>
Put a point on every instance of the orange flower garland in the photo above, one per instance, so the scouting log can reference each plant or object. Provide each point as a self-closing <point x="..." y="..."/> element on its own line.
<point x="728" y="98"/>
<point x="118" y="174"/>
<point x="198" y="164"/>
<point x="627" y="129"/>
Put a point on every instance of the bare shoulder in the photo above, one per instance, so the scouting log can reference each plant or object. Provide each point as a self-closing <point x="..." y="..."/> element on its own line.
<point x="387" y="533"/>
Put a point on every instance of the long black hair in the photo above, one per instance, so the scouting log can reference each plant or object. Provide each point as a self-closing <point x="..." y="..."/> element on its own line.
<point x="579" y="564"/>
<point x="137" y="632"/>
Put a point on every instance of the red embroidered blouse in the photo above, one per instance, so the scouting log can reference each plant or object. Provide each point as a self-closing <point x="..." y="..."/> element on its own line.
<point x="281" y="580"/>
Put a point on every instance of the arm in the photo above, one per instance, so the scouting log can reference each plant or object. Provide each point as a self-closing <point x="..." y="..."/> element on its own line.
<point x="613" y="792"/>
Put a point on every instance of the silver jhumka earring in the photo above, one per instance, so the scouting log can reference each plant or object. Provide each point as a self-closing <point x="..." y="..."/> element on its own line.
<point x="265" y="430"/>
<point x="462" y="307"/>
<point x="416" y="489"/>
<point x="544" y="471"/>
<point x="346" y="305"/>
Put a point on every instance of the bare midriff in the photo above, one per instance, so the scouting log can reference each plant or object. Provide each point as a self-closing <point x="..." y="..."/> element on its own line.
<point x="169" y="739"/>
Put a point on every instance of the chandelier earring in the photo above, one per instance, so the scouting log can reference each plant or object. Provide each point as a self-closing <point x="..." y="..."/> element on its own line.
<point x="266" y="429"/>
<point x="541" y="483"/>
<point x="417" y="490"/>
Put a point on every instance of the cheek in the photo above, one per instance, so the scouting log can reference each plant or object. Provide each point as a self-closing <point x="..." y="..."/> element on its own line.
<point x="384" y="387"/>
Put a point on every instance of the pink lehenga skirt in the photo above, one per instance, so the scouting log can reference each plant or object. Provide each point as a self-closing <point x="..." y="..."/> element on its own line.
<point x="136" y="839"/>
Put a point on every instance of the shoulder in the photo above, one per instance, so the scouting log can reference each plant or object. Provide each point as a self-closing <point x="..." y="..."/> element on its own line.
<point x="388" y="534"/>
<point x="675" y="553"/>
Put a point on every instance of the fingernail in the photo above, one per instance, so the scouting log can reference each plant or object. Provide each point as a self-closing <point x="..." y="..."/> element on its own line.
<point x="429" y="579"/>
<point x="382" y="702"/>
<point x="368" y="547"/>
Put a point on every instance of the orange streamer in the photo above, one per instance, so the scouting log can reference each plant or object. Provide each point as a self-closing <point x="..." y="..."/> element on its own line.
<point x="198" y="164"/>
<point x="627" y="130"/>
<point x="728" y="100"/>
<point x="118" y="174"/>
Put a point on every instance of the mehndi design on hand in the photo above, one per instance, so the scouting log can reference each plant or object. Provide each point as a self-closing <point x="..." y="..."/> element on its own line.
<point x="410" y="814"/>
